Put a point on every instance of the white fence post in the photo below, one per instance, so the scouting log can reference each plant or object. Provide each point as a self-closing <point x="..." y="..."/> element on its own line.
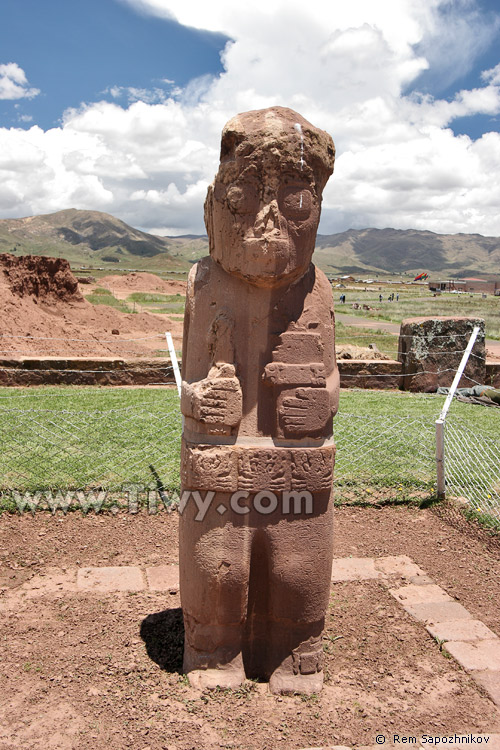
<point x="175" y="363"/>
<point x="440" y="422"/>
<point x="440" y="469"/>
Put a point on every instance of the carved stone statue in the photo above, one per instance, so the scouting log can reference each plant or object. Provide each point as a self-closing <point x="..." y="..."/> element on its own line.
<point x="260" y="389"/>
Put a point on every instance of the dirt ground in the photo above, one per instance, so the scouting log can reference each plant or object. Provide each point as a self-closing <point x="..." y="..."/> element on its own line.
<point x="105" y="671"/>
<point x="44" y="313"/>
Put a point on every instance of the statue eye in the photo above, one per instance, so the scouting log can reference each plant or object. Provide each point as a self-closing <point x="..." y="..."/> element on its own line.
<point x="242" y="200"/>
<point x="296" y="203"/>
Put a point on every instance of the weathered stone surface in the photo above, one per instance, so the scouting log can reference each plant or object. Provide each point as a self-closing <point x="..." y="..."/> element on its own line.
<point x="79" y="371"/>
<point x="108" y="579"/>
<point x="430" y="350"/>
<point x="354" y="569"/>
<point x="460" y="630"/>
<point x="260" y="388"/>
<point x="227" y="468"/>
<point x="399" y="565"/>
<point x="478" y="655"/>
<point x="376" y="374"/>
<point x="207" y="467"/>
<point x="163" y="578"/>
<point x="415" y="594"/>
<point x="490" y="681"/>
<point x="312" y="469"/>
<point x="430" y="612"/>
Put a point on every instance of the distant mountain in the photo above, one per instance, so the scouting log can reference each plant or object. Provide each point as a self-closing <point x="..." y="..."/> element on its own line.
<point x="361" y="251"/>
<point x="93" y="238"/>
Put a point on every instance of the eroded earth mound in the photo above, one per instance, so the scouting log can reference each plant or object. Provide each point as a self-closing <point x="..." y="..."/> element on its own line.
<point x="43" y="313"/>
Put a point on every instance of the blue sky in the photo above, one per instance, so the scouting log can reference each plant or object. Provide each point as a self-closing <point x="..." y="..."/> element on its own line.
<point x="117" y="105"/>
<point x="75" y="51"/>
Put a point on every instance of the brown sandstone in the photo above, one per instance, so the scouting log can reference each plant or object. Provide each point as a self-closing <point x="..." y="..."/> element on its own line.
<point x="430" y="350"/>
<point x="260" y="389"/>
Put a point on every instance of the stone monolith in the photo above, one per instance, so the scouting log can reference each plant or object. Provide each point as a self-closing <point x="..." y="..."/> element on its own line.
<point x="260" y="389"/>
<point x="431" y="349"/>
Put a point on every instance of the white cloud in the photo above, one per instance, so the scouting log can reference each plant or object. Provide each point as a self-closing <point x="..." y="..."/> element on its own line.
<point x="14" y="84"/>
<point x="492" y="75"/>
<point x="343" y="66"/>
<point x="133" y="94"/>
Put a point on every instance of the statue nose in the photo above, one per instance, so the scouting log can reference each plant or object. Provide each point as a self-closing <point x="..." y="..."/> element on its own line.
<point x="268" y="219"/>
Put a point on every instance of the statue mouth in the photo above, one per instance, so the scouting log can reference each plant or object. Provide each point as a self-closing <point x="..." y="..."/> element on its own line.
<point x="274" y="244"/>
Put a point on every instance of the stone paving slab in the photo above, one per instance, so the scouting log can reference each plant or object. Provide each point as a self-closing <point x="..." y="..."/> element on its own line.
<point x="415" y="594"/>
<point x="53" y="581"/>
<point x="163" y="578"/>
<point x="490" y="681"/>
<point x="354" y="569"/>
<point x="438" y="612"/>
<point x="107" y="580"/>
<point x="398" y="565"/>
<point x="491" y="741"/>
<point x="460" y="630"/>
<point x="480" y="655"/>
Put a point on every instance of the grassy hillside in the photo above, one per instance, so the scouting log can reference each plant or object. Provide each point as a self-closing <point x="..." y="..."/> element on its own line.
<point x="99" y="240"/>
<point x="92" y="239"/>
<point x="399" y="251"/>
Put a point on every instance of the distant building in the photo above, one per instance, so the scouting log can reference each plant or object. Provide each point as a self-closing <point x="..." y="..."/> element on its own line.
<point x="451" y="285"/>
<point x="484" y="286"/>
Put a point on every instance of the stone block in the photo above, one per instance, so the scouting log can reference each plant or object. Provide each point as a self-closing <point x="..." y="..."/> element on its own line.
<point x="415" y="594"/>
<point x="375" y="374"/>
<point x="163" y="578"/>
<point x="490" y="681"/>
<point x="438" y="611"/>
<point x="430" y="350"/>
<point x="398" y="565"/>
<point x="354" y="569"/>
<point x="107" y="580"/>
<point x="460" y="630"/>
<point x="478" y="655"/>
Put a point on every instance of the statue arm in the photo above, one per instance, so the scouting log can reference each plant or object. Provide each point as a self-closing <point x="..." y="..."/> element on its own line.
<point x="215" y="401"/>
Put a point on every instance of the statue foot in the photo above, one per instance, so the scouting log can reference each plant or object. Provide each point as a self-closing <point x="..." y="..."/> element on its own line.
<point x="204" y="679"/>
<point x="284" y="682"/>
<point x="214" y="669"/>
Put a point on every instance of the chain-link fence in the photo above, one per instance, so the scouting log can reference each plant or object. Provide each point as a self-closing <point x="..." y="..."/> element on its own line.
<point x="92" y="440"/>
<point x="472" y="468"/>
<point x="111" y="440"/>
<point x="391" y="455"/>
<point x="118" y="441"/>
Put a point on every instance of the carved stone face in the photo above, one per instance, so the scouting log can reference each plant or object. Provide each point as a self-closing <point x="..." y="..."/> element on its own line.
<point x="263" y="210"/>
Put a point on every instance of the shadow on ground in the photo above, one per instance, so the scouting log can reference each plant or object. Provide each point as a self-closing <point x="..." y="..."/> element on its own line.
<point x="163" y="634"/>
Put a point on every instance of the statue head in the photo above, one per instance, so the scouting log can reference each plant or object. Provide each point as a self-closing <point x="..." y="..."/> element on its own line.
<point x="262" y="210"/>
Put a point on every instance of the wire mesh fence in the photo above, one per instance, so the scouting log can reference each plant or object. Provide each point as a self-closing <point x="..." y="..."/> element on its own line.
<point x="472" y="468"/>
<point x="75" y="441"/>
<point x="92" y="440"/>
<point x="119" y="441"/>
<point x="392" y="455"/>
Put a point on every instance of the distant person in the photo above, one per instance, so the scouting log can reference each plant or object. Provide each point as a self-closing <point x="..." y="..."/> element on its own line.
<point x="397" y="297"/>
<point x="380" y="298"/>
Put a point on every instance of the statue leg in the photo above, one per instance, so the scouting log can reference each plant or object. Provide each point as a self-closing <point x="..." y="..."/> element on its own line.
<point x="214" y="572"/>
<point x="300" y="575"/>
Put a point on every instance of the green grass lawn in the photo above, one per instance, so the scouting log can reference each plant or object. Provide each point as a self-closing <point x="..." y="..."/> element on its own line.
<point x="101" y="296"/>
<point x="159" y="303"/>
<point x="416" y="302"/>
<point x="63" y="438"/>
<point x="386" y="343"/>
<point x="83" y="438"/>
